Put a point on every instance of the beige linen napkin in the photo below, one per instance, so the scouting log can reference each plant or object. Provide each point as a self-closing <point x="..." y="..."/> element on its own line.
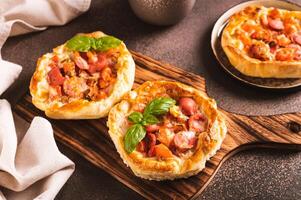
<point x="24" y="16"/>
<point x="31" y="166"/>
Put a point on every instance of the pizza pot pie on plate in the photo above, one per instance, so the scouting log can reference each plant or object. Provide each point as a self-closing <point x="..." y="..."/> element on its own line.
<point x="166" y="130"/>
<point x="264" y="42"/>
<point x="83" y="78"/>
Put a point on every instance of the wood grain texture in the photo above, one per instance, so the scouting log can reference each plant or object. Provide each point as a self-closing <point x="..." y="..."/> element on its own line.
<point x="91" y="140"/>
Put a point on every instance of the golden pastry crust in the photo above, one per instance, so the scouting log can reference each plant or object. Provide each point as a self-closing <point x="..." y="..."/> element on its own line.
<point x="81" y="108"/>
<point x="237" y="39"/>
<point x="175" y="167"/>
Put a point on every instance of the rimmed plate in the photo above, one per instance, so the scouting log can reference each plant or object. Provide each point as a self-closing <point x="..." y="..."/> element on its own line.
<point x="269" y="83"/>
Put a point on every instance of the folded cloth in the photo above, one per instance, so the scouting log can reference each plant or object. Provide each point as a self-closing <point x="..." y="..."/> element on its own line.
<point x="24" y="16"/>
<point x="31" y="166"/>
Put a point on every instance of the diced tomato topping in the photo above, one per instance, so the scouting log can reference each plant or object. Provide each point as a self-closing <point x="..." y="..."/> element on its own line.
<point x="197" y="123"/>
<point x="142" y="147"/>
<point x="275" y="13"/>
<point x="93" y="68"/>
<point x="152" y="128"/>
<point x="100" y="64"/>
<point x="151" y="144"/>
<point x="55" y="77"/>
<point x="162" y="152"/>
<point x="249" y="27"/>
<point x="55" y="58"/>
<point x="151" y="152"/>
<point x="152" y="139"/>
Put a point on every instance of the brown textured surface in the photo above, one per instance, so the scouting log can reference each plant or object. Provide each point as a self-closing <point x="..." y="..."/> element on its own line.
<point x="257" y="174"/>
<point x="91" y="140"/>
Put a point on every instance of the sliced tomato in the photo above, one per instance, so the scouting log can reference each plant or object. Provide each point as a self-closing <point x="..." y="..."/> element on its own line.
<point x="55" y="77"/>
<point x="152" y="128"/>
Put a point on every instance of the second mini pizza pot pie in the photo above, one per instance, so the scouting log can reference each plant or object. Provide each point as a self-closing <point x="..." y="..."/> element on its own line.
<point x="166" y="130"/>
<point x="83" y="78"/>
<point x="264" y="42"/>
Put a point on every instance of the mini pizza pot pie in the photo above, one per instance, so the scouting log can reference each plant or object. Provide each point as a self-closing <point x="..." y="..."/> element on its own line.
<point x="264" y="42"/>
<point x="166" y="130"/>
<point x="83" y="78"/>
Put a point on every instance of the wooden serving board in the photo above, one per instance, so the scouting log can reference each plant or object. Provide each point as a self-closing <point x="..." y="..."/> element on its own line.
<point x="91" y="140"/>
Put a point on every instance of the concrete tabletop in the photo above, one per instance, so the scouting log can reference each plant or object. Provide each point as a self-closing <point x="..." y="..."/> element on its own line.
<point x="255" y="174"/>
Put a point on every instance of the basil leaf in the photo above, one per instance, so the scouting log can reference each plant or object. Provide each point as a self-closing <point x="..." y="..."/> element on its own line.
<point x="93" y="43"/>
<point x="135" y="117"/>
<point x="105" y="43"/>
<point x="149" y="120"/>
<point x="80" y="43"/>
<point x="159" y="106"/>
<point x="133" y="136"/>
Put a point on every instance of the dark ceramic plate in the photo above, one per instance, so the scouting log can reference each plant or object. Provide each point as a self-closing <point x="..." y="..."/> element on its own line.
<point x="270" y="83"/>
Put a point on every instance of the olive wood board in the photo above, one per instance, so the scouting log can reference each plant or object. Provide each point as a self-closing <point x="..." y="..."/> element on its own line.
<point x="90" y="138"/>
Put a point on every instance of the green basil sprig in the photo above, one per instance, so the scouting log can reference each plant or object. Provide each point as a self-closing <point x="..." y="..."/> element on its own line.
<point x="136" y="132"/>
<point x="133" y="136"/>
<point x="84" y="43"/>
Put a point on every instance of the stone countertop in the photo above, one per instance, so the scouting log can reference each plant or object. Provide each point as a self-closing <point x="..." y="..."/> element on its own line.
<point x="255" y="174"/>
